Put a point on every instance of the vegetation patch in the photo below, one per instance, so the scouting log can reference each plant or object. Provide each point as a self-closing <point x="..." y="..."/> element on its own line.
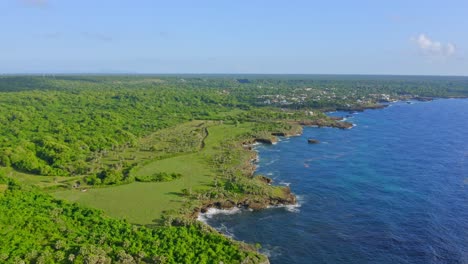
<point x="37" y="228"/>
<point x="3" y="188"/>
<point x="159" y="177"/>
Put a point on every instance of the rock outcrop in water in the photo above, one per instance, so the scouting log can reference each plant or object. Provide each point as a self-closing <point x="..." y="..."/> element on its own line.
<point x="252" y="202"/>
<point x="312" y="141"/>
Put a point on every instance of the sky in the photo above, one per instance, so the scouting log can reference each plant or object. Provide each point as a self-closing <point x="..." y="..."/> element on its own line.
<point x="244" y="36"/>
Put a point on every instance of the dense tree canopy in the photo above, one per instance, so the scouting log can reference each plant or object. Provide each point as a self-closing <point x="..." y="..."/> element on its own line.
<point x="52" y="125"/>
<point x="35" y="228"/>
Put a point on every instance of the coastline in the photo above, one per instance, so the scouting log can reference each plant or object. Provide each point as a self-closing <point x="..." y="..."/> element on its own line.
<point x="229" y="207"/>
<point x="290" y="200"/>
<point x="237" y="224"/>
<point x="259" y="202"/>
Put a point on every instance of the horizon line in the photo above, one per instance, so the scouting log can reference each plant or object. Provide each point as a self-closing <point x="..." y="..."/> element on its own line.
<point x="187" y="73"/>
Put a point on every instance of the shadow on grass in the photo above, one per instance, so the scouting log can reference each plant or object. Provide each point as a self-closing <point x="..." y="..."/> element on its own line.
<point x="179" y="194"/>
<point x="156" y="223"/>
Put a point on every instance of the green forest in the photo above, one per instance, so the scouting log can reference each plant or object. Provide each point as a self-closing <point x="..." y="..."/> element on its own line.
<point x="53" y="126"/>
<point x="37" y="228"/>
<point x="66" y="139"/>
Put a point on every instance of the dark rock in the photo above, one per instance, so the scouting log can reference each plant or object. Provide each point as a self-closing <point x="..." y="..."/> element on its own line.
<point x="265" y="179"/>
<point x="423" y="98"/>
<point x="279" y="134"/>
<point x="257" y="205"/>
<point x="312" y="141"/>
<point x="267" y="140"/>
<point x="342" y="125"/>
<point x="228" y="204"/>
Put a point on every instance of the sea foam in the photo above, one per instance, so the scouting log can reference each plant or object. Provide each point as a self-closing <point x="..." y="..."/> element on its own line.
<point x="284" y="183"/>
<point x="203" y="217"/>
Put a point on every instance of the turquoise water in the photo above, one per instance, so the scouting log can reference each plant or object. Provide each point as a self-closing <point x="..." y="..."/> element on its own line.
<point x="393" y="189"/>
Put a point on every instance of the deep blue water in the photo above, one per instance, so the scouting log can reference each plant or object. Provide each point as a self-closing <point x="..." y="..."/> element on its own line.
<point x="393" y="189"/>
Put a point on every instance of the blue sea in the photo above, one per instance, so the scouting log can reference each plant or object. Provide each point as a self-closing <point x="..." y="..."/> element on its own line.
<point x="393" y="189"/>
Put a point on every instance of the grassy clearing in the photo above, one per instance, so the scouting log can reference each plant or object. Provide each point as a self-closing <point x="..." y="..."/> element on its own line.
<point x="45" y="182"/>
<point x="142" y="203"/>
<point x="188" y="149"/>
<point x="139" y="203"/>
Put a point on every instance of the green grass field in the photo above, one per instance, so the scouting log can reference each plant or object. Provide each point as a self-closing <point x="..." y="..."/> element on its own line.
<point x="142" y="203"/>
<point x="139" y="203"/>
<point x="40" y="181"/>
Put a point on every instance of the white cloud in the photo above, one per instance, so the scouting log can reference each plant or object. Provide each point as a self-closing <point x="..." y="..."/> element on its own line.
<point x="433" y="48"/>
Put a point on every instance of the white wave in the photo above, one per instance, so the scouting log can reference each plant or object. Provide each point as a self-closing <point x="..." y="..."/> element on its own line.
<point x="284" y="183"/>
<point x="226" y="231"/>
<point x="269" y="174"/>
<point x="294" y="208"/>
<point x="271" y="150"/>
<point x="265" y="218"/>
<point x="203" y="217"/>
<point x="271" y="251"/>
<point x="271" y="162"/>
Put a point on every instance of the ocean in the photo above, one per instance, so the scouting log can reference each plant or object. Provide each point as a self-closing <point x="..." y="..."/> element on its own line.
<point x="393" y="189"/>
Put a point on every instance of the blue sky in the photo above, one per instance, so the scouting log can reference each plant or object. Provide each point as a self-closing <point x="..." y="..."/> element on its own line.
<point x="254" y="36"/>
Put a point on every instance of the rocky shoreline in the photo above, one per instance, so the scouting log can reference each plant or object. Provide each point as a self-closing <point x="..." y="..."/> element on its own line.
<point x="288" y="198"/>
<point x="253" y="203"/>
<point x="258" y="202"/>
